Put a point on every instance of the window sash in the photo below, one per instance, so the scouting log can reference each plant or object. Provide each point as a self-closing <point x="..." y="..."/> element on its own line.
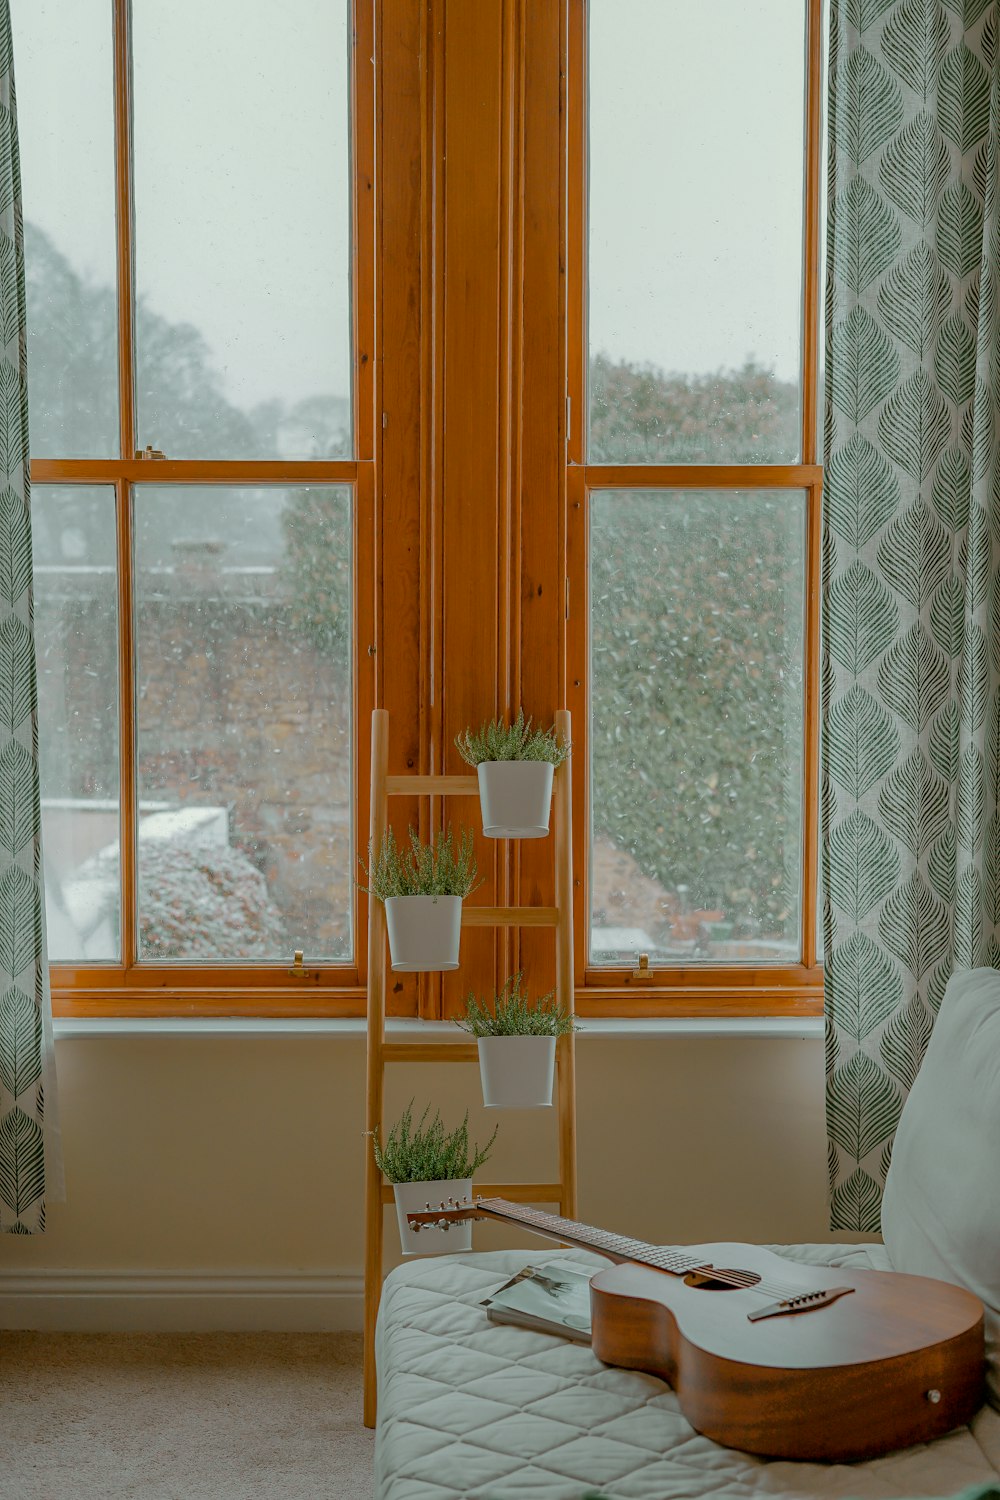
<point x="132" y="987"/>
<point x="793" y="989"/>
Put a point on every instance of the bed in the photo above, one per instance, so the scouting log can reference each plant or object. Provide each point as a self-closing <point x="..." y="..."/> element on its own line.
<point x="484" y="1412"/>
<point x="471" y="1409"/>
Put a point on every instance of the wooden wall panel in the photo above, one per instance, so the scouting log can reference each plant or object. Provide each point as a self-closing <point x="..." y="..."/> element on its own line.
<point x="542" y="594"/>
<point x="400" y="635"/>
<point x="471" y="612"/>
<point x="470" y="574"/>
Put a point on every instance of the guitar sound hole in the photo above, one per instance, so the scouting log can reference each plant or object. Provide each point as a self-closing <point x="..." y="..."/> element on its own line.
<point x="709" y="1281"/>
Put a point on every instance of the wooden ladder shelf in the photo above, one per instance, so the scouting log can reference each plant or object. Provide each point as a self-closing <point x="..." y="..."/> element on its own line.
<point x="559" y="917"/>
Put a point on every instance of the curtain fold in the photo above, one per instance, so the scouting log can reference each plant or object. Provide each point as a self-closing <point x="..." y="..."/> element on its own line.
<point x="30" y="1160"/>
<point x="911" y="603"/>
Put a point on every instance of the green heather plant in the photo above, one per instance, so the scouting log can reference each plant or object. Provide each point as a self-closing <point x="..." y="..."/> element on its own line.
<point x="513" y="1014"/>
<point x="428" y="1152"/>
<point x="435" y="869"/>
<point x="518" y="741"/>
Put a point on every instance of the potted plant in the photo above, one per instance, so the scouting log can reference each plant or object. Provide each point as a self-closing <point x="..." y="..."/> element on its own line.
<point x="422" y="889"/>
<point x="514" y="763"/>
<point x="517" y="1045"/>
<point x="428" y="1164"/>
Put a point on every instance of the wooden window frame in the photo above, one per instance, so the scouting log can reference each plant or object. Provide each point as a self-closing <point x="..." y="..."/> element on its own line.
<point x="703" y="990"/>
<point x="425" y="362"/>
<point x="132" y="987"/>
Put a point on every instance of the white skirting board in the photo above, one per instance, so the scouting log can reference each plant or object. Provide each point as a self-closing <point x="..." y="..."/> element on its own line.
<point x="158" y="1302"/>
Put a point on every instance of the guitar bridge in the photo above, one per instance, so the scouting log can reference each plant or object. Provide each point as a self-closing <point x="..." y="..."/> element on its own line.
<point x="804" y="1303"/>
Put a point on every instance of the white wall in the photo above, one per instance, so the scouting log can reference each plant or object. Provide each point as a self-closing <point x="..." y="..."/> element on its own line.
<point x="217" y="1180"/>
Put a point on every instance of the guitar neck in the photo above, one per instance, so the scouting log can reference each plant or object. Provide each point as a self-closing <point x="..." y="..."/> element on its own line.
<point x="568" y="1231"/>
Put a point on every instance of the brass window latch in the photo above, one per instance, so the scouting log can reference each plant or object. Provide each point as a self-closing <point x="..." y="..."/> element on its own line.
<point x="298" y="970"/>
<point x="643" y="971"/>
<point x="150" y="452"/>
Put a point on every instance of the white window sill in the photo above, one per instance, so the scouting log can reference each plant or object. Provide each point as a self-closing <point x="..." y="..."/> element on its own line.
<point x="626" y="1028"/>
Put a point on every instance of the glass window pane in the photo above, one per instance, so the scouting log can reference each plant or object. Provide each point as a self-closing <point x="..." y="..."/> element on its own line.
<point x="242" y="228"/>
<point x="76" y="643"/>
<point x="697" y="614"/>
<point x="696" y="224"/>
<point x="65" y="93"/>
<point x="244" y="722"/>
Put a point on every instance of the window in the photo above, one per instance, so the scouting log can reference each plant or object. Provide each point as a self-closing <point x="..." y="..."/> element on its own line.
<point x="694" y="494"/>
<point x="301" y="444"/>
<point x="201" y="445"/>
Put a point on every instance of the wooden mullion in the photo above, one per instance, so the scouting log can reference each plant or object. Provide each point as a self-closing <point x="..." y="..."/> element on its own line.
<point x="128" y="802"/>
<point x="177" y="1004"/>
<point x="812" y="281"/>
<point x="578" y="702"/>
<point x="722" y="978"/>
<point x="811" y="728"/>
<point x="623" y="1003"/>
<point x="123" y="227"/>
<point x="701" y="476"/>
<point x="128" y="797"/>
<point x="193" y="471"/>
<point x="575" y="230"/>
<point x="363" y="89"/>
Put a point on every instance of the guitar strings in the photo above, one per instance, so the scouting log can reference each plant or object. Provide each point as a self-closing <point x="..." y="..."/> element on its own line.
<point x="640" y="1251"/>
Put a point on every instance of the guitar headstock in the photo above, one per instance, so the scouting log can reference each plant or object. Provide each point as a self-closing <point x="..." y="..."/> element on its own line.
<point x="448" y="1212"/>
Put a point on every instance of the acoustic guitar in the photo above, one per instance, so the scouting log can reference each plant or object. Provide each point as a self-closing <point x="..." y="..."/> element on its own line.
<point x="770" y="1356"/>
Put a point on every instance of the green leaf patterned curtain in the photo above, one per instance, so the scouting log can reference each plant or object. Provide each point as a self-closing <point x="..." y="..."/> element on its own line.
<point x="28" y="1142"/>
<point x="911" y="689"/>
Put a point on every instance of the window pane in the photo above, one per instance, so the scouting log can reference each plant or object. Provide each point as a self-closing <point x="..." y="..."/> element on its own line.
<point x="696" y="224"/>
<point x="76" y="641"/>
<point x="242" y="228"/>
<point x="65" y="92"/>
<point x="697" y="612"/>
<point x="244" y="722"/>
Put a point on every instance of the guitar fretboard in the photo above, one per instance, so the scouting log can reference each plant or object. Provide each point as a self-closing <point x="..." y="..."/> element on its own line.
<point x="663" y="1257"/>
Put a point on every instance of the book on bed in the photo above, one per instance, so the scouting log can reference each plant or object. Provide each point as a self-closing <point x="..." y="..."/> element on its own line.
<point x="553" y="1297"/>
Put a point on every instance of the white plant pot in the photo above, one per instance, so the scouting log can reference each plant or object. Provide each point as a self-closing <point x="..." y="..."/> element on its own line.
<point x="516" y="1071"/>
<point x="424" y="932"/>
<point x="413" y="1198"/>
<point x="514" y="797"/>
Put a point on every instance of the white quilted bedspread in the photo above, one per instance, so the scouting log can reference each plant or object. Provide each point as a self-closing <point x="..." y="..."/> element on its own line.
<point x="487" y="1412"/>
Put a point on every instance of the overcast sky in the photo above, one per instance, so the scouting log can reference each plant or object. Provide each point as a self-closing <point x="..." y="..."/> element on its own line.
<point x="241" y="176"/>
<point x="696" y="162"/>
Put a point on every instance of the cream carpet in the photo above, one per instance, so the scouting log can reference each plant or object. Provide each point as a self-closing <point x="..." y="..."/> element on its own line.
<point x="203" y="1416"/>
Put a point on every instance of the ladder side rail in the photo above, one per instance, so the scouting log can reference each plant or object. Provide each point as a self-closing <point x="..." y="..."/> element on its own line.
<point x="374" y="1224"/>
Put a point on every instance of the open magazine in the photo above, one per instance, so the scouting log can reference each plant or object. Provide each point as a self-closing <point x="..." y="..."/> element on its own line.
<point x="553" y="1297"/>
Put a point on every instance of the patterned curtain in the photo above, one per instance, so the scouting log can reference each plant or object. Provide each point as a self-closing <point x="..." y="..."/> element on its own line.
<point x="911" y="691"/>
<point x="27" y="1142"/>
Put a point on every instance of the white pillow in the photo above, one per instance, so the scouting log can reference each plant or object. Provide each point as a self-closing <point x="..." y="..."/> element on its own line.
<point x="941" y="1209"/>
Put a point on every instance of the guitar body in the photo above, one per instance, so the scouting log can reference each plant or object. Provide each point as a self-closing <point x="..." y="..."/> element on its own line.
<point x="898" y="1360"/>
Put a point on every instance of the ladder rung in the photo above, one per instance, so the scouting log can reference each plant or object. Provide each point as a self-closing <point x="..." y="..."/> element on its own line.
<point x="430" y="1052"/>
<point x="437" y="786"/>
<point x="518" y="1192"/>
<point x="509" y="916"/>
